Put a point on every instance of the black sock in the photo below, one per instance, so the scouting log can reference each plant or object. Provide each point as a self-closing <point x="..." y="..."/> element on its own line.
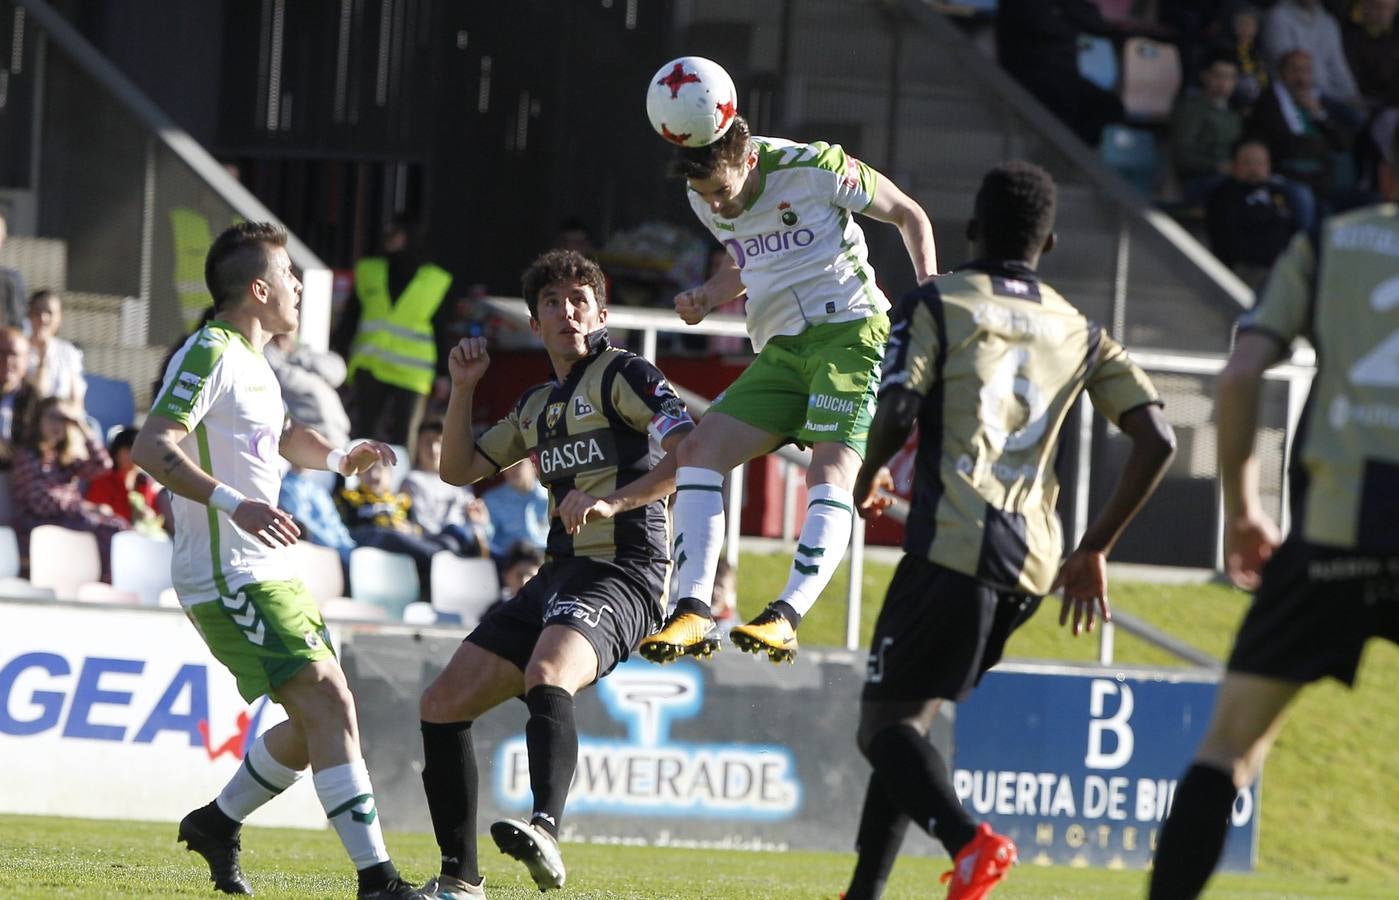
<point x="882" y="829"/>
<point x="786" y="611"/>
<point x="377" y="876"/>
<point x="691" y="605"/>
<point x="449" y="779"/>
<point x="552" y="742"/>
<point x="916" y="777"/>
<point x="1193" y="837"/>
<point x="215" y="822"/>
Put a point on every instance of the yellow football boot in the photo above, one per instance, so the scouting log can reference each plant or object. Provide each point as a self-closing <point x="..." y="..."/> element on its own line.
<point x="684" y="634"/>
<point x="770" y="633"/>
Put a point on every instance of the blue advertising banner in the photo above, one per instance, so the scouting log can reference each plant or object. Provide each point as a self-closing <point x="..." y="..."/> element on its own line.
<point x="1079" y="765"/>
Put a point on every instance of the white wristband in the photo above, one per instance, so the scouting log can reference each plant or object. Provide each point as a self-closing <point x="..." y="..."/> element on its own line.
<point x="333" y="459"/>
<point x="226" y="499"/>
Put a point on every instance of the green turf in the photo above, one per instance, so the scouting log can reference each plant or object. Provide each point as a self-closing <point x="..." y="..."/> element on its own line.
<point x="1330" y="786"/>
<point x="43" y="857"/>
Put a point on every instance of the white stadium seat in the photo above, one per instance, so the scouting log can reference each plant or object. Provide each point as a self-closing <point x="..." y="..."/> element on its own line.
<point x="385" y="579"/>
<point x="63" y="559"/>
<point x="141" y="565"/>
<point x="466" y="586"/>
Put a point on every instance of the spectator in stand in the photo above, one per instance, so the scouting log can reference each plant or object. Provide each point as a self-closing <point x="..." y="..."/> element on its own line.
<point x="519" y="510"/>
<point x="12" y="291"/>
<point x="387" y="333"/>
<point x="1204" y="129"/>
<point x="308" y="501"/>
<point x="1037" y="43"/>
<point x="55" y="365"/>
<point x="573" y="234"/>
<point x="1372" y="48"/>
<point x="129" y="492"/>
<point x="18" y="402"/>
<point x="1238" y="37"/>
<point x="1299" y="126"/>
<point x="1306" y="25"/>
<point x="61" y="453"/>
<point x="449" y="511"/>
<point x="518" y="567"/>
<point x="379" y="516"/>
<point x="1251" y="215"/>
<point x="309" y="378"/>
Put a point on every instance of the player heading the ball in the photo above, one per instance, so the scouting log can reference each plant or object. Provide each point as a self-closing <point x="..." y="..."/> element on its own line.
<point x="816" y="316"/>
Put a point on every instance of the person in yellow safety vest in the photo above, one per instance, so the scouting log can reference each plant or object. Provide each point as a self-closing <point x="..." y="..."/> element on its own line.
<point x="387" y="330"/>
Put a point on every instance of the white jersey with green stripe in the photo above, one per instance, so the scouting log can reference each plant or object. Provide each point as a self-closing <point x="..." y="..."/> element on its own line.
<point x="799" y="251"/>
<point x="225" y="393"/>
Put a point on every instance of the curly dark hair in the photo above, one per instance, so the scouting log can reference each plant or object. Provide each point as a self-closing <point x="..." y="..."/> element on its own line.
<point x="1015" y="210"/>
<point x="553" y="266"/>
<point x="702" y="162"/>
<point x="238" y="256"/>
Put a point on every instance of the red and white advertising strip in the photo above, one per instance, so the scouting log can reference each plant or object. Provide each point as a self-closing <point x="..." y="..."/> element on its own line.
<point x="123" y="714"/>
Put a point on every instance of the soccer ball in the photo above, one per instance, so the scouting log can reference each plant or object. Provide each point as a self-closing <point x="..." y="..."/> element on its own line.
<point x="691" y="101"/>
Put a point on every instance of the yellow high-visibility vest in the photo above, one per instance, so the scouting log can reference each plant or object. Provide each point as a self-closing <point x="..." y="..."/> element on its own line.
<point x="394" y="342"/>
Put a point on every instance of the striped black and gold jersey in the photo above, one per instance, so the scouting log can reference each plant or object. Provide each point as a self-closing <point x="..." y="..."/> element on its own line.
<point x="1345" y="456"/>
<point x="999" y="358"/>
<point x="594" y="431"/>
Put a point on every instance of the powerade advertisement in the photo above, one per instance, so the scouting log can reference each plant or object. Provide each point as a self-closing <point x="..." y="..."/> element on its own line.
<point x="1079" y="768"/>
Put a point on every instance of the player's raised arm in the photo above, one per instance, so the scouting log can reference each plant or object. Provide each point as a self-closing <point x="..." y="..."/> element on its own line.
<point x="304" y="446"/>
<point x="157" y="450"/>
<point x="892" y="205"/>
<point x="461" y="463"/>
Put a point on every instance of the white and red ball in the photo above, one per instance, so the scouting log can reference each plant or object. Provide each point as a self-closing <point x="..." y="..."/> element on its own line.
<point x="691" y="101"/>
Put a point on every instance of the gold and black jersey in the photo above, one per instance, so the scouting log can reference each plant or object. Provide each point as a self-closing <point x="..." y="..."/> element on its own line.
<point x="999" y="358"/>
<point x="1345" y="301"/>
<point x="597" y="430"/>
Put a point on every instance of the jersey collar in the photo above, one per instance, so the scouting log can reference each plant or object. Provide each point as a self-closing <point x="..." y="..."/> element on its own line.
<point x="1010" y="278"/>
<point x="1007" y="268"/>
<point x="598" y="341"/>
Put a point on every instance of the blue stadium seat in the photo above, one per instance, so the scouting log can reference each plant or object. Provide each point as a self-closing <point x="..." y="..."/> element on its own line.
<point x="1097" y="61"/>
<point x="110" y="402"/>
<point x="1133" y="153"/>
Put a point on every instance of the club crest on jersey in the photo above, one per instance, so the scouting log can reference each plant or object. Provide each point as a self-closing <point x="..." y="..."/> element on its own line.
<point x="789" y="215"/>
<point x="551" y="415"/>
<point x="581" y="408"/>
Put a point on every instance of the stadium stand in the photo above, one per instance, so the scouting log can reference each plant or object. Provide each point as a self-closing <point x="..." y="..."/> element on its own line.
<point x="63" y="559"/>
<point x="141" y="565"/>
<point x="388" y="580"/>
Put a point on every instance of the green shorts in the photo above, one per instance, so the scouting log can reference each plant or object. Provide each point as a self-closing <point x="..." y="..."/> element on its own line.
<point x="265" y="634"/>
<point x="815" y="387"/>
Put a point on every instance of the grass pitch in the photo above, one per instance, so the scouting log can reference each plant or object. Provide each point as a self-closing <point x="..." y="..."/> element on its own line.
<point x="44" y="857"/>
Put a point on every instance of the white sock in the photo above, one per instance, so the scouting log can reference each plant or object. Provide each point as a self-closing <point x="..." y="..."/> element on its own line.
<point x="348" y="799"/>
<point x="258" y="779"/>
<point x="821" y="545"/>
<point x="699" y="530"/>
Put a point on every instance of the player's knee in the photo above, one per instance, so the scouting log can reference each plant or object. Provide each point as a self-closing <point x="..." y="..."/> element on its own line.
<point x="439" y="702"/>
<point x="547" y="672"/>
<point x="319" y="696"/>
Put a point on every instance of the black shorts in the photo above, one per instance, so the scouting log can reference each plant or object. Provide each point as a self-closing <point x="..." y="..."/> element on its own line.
<point x="613" y="607"/>
<point x="1313" y="612"/>
<point x="938" y="632"/>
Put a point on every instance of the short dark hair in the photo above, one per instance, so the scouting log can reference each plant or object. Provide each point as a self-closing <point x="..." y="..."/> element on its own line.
<point x="522" y="551"/>
<point x="1219" y="55"/>
<point x="1015" y="210"/>
<point x="1245" y="141"/>
<point x="41" y="295"/>
<point x="237" y="257"/>
<point x="122" y="440"/>
<point x="430" y="426"/>
<point x="553" y="266"/>
<point x="702" y="162"/>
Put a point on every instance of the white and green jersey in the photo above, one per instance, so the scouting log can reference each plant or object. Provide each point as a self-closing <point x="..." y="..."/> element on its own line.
<point x="224" y="392"/>
<point x="799" y="251"/>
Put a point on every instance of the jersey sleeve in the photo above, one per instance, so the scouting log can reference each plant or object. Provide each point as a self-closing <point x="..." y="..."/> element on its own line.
<point x="854" y="182"/>
<point x="1116" y="384"/>
<point x="915" y="340"/>
<point x="1283" y="308"/>
<point x="645" y="400"/>
<point x="193" y="380"/>
<point x="504" y="442"/>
